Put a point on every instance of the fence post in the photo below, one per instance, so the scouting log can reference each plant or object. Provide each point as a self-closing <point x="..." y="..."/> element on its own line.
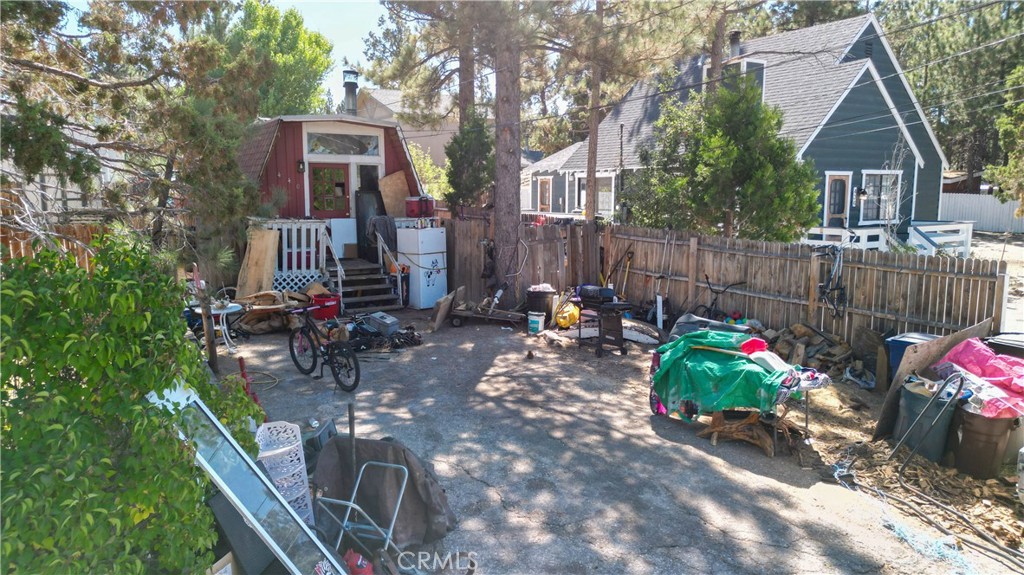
<point x="812" y="289"/>
<point x="999" y="303"/>
<point x="607" y="242"/>
<point x="691" y="273"/>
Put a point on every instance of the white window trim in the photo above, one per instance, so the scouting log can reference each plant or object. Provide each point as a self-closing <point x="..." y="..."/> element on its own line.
<point x="824" y="203"/>
<point x="551" y="193"/>
<point x="899" y="190"/>
<point x="350" y="161"/>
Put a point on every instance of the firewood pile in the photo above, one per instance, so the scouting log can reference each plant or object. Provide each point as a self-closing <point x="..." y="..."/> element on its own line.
<point x="802" y="345"/>
<point x="991" y="504"/>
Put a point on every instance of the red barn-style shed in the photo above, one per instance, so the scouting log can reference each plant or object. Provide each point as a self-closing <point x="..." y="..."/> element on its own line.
<point x="324" y="173"/>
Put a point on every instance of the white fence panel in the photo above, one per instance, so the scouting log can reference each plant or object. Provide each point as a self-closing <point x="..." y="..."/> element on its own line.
<point x="987" y="213"/>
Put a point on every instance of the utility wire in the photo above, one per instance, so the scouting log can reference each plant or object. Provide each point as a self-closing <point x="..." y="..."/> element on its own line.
<point x="824" y="50"/>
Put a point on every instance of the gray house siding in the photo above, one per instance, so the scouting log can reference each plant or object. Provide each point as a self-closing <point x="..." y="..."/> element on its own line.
<point x="929" y="177"/>
<point x="857" y="138"/>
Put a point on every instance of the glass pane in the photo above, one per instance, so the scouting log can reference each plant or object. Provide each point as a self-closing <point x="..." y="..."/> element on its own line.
<point x="369" y="177"/>
<point x="343" y="144"/>
<point x="604" y="195"/>
<point x="837" y="197"/>
<point x="244" y="483"/>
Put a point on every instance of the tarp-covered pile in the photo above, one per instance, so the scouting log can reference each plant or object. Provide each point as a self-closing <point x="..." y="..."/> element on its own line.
<point x="713" y="380"/>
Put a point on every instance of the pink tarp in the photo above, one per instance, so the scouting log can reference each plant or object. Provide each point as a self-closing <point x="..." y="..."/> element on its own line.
<point x="1002" y="371"/>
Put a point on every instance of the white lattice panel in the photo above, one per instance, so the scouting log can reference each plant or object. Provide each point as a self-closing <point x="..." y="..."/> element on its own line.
<point x="292" y="281"/>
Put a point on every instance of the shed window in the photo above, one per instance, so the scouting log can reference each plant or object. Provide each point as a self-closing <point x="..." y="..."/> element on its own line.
<point x="343" y="144"/>
<point x="882" y="197"/>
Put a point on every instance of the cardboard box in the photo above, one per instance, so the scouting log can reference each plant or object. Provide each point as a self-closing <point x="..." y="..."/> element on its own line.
<point x="351" y="251"/>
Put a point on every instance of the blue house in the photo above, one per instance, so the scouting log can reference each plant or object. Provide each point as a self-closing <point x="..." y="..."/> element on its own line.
<point x="846" y="104"/>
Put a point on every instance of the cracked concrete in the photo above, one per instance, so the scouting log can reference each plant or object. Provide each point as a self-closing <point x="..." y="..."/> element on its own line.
<point x="555" y="465"/>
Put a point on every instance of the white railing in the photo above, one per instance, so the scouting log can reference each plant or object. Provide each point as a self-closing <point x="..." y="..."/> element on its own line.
<point x="953" y="238"/>
<point x="862" y="238"/>
<point x="301" y="250"/>
<point x="382" y="250"/>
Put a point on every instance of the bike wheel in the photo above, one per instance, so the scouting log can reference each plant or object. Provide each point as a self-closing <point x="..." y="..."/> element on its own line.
<point x="702" y="311"/>
<point x="303" y="350"/>
<point x="344" y="365"/>
<point x="840" y="302"/>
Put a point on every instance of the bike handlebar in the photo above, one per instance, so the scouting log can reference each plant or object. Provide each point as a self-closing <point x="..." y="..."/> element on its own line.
<point x="723" y="290"/>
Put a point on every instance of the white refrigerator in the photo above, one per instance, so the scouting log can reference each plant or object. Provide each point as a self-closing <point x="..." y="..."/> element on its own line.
<point x="425" y="251"/>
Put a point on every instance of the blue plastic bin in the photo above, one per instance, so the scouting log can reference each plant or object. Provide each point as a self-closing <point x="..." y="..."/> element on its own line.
<point x="897" y="345"/>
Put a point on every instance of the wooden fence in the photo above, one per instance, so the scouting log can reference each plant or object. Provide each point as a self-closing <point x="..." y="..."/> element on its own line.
<point x="886" y="291"/>
<point x="71" y="238"/>
<point x="562" y="256"/>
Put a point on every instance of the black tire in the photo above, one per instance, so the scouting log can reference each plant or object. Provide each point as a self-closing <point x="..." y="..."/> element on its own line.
<point x="456" y="321"/>
<point x="344" y="365"/>
<point x="702" y="311"/>
<point x="303" y="350"/>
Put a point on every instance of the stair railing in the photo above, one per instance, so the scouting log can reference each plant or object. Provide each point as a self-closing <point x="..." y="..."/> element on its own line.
<point x="382" y="250"/>
<point x="327" y="246"/>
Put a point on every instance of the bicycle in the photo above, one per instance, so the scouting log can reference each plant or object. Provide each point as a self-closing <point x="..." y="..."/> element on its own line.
<point x="832" y="292"/>
<point x="712" y="311"/>
<point x="309" y="344"/>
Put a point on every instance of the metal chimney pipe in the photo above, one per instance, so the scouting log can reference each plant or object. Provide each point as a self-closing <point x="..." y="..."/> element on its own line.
<point x="351" y="84"/>
<point x="734" y="43"/>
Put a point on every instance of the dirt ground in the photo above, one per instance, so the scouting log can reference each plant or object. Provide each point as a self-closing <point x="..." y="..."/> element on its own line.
<point x="556" y="465"/>
<point x="1009" y="248"/>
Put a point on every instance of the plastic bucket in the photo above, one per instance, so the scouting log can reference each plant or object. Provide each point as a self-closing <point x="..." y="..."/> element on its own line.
<point x="329" y="312"/>
<point x="932" y="442"/>
<point x="541" y="301"/>
<point x="982" y="444"/>
<point x="535" y="321"/>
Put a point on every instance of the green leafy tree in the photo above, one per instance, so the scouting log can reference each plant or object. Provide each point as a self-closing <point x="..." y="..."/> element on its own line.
<point x="142" y="91"/>
<point x="433" y="177"/>
<point x="95" y="477"/>
<point x="958" y="63"/>
<point x="720" y="167"/>
<point x="300" y="58"/>
<point x="470" y="165"/>
<point x="1010" y="175"/>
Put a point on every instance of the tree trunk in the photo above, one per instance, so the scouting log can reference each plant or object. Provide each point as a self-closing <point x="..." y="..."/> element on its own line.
<point x="727" y="227"/>
<point x="717" y="52"/>
<point x="163" y="197"/>
<point x="467" y="60"/>
<point x="593" y="120"/>
<point x="507" y="151"/>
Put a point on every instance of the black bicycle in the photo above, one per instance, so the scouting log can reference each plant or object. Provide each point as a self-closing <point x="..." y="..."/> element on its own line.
<point x="309" y="344"/>
<point x="712" y="311"/>
<point x="832" y="291"/>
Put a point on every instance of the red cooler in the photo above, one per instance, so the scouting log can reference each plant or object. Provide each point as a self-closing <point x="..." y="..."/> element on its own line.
<point x="329" y="312"/>
<point x="419" y="207"/>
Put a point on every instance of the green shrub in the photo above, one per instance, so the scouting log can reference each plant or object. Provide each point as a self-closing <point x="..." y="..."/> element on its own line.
<point x="95" y="478"/>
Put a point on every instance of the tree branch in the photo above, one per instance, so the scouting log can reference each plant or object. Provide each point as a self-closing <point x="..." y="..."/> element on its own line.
<point x="79" y="78"/>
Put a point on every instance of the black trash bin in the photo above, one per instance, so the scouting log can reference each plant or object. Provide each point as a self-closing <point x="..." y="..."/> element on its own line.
<point x="541" y="301"/>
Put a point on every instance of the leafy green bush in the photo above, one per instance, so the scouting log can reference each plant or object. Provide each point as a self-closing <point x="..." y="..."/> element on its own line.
<point x="95" y="478"/>
<point x="470" y="162"/>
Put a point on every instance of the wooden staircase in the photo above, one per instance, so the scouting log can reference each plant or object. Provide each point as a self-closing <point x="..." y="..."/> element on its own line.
<point x="366" y="289"/>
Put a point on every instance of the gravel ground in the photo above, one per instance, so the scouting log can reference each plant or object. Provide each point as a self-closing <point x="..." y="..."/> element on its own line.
<point x="555" y="465"/>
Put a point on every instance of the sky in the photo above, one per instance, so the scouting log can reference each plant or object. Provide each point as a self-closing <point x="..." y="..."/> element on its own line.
<point x="346" y="24"/>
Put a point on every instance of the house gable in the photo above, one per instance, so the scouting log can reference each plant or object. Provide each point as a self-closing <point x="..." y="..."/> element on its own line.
<point x="872" y="116"/>
<point x="871" y="43"/>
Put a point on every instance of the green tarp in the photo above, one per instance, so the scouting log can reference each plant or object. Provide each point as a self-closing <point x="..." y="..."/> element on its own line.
<point x="713" y="380"/>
